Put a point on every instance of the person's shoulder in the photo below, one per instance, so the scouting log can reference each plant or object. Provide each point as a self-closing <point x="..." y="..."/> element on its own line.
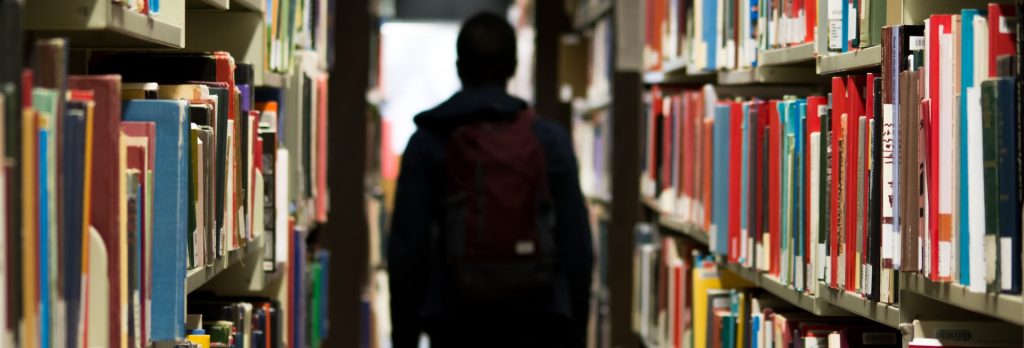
<point x="549" y="132"/>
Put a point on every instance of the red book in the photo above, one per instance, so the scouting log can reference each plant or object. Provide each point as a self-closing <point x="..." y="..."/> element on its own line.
<point x="811" y="13"/>
<point x="677" y="163"/>
<point x="686" y="156"/>
<point x="652" y="146"/>
<point x="145" y="130"/>
<point x="813" y="126"/>
<point x="103" y="212"/>
<point x="760" y="168"/>
<point x="854" y="109"/>
<point x="667" y="132"/>
<point x="1001" y="35"/>
<point x="774" y="185"/>
<point x="934" y="63"/>
<point x="735" y="177"/>
<point x="838" y="109"/>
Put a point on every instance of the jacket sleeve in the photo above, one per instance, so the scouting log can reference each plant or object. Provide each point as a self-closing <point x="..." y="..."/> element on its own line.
<point x="408" y="241"/>
<point x="574" y="239"/>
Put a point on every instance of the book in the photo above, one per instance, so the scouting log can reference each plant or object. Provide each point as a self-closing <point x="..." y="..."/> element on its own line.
<point x="170" y="203"/>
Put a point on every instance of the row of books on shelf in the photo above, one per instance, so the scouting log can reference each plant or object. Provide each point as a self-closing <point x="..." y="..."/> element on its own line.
<point x="914" y="170"/>
<point x="683" y="298"/>
<point x="293" y="25"/>
<point x="710" y="35"/>
<point x="146" y="7"/>
<point x="265" y="322"/>
<point x="120" y="182"/>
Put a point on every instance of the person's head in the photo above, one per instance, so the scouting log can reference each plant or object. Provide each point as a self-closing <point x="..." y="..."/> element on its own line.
<point x="487" y="51"/>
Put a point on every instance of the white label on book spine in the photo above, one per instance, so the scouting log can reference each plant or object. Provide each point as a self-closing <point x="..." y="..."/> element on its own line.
<point x="1005" y="262"/>
<point x="835" y="30"/>
<point x="1005" y="27"/>
<point x="916" y="43"/>
<point x="945" y="248"/>
<point x="990" y="258"/>
<point x="851" y="25"/>
<point x="868" y="273"/>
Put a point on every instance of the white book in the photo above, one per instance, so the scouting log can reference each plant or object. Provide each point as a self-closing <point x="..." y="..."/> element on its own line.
<point x="98" y="294"/>
<point x="814" y="219"/>
<point x="976" y="192"/>
<point x="281" y="232"/>
<point x="945" y="172"/>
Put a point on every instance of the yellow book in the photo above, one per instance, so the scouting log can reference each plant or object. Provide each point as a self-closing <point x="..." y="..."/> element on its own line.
<point x="29" y="266"/>
<point x="707" y="277"/>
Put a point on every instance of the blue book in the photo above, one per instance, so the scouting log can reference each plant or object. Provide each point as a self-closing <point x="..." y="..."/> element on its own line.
<point x="45" y="100"/>
<point x="711" y="33"/>
<point x="785" y="235"/>
<point x="720" y="181"/>
<point x="1009" y="206"/>
<point x="799" y="119"/>
<point x="966" y="81"/>
<point x="73" y="162"/>
<point x="846" y="25"/>
<point x="170" y="211"/>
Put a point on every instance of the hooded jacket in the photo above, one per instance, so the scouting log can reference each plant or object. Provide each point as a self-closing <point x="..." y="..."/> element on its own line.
<point x="419" y="299"/>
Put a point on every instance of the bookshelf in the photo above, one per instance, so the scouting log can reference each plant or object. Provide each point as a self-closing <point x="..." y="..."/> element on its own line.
<point x="103" y="24"/>
<point x="1002" y="306"/>
<point x="109" y="57"/>
<point x="249" y="5"/>
<point x="802" y="53"/>
<point x="207" y="4"/>
<point x="767" y="75"/>
<point x="197" y="278"/>
<point x="866" y="58"/>
<point x="796" y="69"/>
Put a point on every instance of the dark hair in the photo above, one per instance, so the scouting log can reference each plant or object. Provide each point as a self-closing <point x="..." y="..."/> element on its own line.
<point x="487" y="50"/>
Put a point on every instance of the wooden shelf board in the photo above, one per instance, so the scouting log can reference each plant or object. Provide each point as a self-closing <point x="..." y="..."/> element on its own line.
<point x="784" y="56"/>
<point x="122" y="29"/>
<point x="865" y="58"/>
<point x="196" y="278"/>
<point x="207" y="4"/>
<point x="1002" y="306"/>
<point x="591" y="14"/>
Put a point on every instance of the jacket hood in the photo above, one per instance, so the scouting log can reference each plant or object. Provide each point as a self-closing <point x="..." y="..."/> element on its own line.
<point x="468" y="105"/>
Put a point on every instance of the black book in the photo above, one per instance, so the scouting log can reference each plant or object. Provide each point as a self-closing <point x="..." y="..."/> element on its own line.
<point x="875" y="199"/>
<point x="10" y="83"/>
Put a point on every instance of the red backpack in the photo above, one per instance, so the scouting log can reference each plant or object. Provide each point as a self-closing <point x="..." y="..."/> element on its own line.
<point x="498" y="218"/>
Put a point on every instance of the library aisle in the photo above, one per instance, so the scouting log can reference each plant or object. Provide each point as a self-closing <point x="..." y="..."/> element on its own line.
<point x="754" y="173"/>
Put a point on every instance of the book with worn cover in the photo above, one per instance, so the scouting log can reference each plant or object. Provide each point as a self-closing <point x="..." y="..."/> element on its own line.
<point x="170" y="209"/>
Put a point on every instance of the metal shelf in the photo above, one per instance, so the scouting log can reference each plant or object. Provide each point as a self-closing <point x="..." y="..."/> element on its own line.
<point x="768" y="75"/>
<point x="865" y="58"/>
<point x="105" y="25"/>
<point x="783" y="56"/>
<point x="591" y="14"/>
<point x="248" y="5"/>
<point x="1002" y="306"/>
<point x="675" y="226"/>
<point x="886" y="314"/>
<point x="207" y="4"/>
<point x="196" y="278"/>
<point x="679" y="78"/>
